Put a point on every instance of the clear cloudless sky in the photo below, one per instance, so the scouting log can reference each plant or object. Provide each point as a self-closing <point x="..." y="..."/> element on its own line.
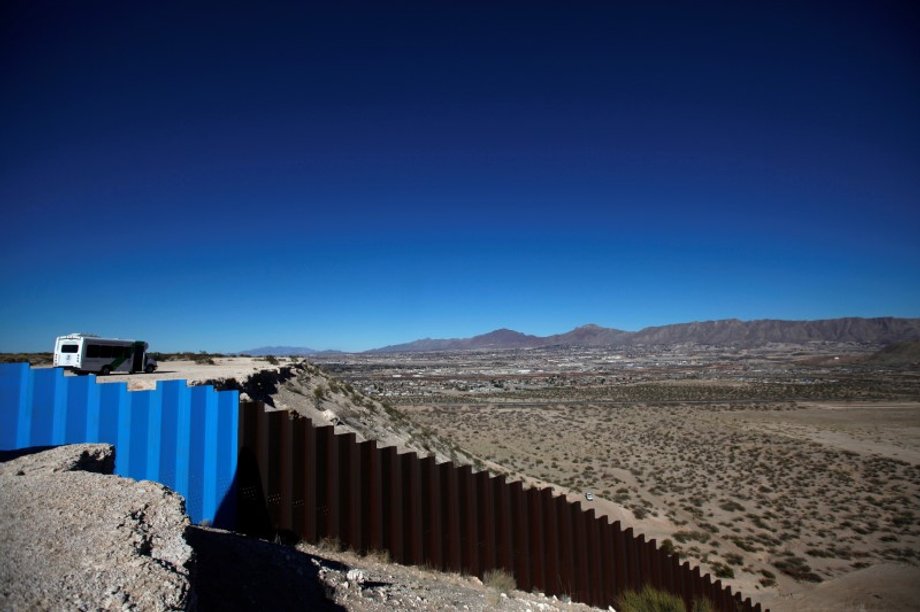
<point x="221" y="176"/>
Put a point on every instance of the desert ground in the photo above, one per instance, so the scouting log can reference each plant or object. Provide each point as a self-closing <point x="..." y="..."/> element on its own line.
<point x="763" y="496"/>
<point x="792" y="478"/>
<point x="800" y="502"/>
<point x="197" y="372"/>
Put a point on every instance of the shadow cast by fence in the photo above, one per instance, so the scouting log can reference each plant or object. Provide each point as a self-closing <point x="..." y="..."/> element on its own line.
<point x="234" y="572"/>
<point x="260" y="386"/>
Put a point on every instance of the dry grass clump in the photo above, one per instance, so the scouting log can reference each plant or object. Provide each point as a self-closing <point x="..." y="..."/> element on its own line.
<point x="652" y="600"/>
<point x="500" y="580"/>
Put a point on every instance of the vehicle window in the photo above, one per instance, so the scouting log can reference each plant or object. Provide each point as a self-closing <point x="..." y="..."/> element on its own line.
<point x="69" y="348"/>
<point x="108" y="351"/>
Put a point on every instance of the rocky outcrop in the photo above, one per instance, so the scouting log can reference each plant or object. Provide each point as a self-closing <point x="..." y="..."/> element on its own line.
<point x="74" y="538"/>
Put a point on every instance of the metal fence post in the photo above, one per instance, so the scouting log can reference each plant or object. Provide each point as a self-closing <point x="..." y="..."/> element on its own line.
<point x="537" y="536"/>
<point x="521" y="533"/>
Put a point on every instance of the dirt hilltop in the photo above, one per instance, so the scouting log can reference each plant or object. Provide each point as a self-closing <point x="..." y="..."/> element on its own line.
<point x="74" y="536"/>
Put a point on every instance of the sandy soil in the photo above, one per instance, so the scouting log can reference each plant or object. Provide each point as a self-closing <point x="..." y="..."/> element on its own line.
<point x="239" y="368"/>
<point x="777" y="500"/>
<point x="882" y="587"/>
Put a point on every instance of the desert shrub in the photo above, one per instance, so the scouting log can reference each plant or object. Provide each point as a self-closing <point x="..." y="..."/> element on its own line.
<point x="649" y="600"/>
<point x="686" y="536"/>
<point x="271" y="359"/>
<point x="722" y="571"/>
<point x="734" y="559"/>
<point x="667" y="546"/>
<point x="500" y="580"/>
<point x="797" y="568"/>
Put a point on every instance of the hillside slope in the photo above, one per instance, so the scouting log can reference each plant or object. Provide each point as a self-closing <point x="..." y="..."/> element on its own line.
<point x="902" y="354"/>
<point x="307" y="390"/>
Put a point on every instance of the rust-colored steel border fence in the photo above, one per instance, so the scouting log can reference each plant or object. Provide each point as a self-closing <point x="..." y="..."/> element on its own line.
<point x="296" y="477"/>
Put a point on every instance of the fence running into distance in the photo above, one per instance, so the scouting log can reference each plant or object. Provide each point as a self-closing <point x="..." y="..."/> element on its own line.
<point x="243" y="468"/>
<point x="183" y="437"/>
<point x="326" y="486"/>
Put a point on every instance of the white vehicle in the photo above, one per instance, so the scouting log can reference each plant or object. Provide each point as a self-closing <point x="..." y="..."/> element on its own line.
<point x="85" y="353"/>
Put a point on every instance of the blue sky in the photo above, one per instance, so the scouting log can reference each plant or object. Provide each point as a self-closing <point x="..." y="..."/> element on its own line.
<point x="349" y="175"/>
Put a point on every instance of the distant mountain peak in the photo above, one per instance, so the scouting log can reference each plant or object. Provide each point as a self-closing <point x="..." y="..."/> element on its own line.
<point x="503" y="331"/>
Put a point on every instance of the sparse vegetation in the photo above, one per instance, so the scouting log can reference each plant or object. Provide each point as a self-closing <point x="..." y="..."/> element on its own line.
<point x="500" y="580"/>
<point x="31" y="358"/>
<point x="649" y="600"/>
<point x="732" y="457"/>
<point x="797" y="568"/>
<point x="722" y="571"/>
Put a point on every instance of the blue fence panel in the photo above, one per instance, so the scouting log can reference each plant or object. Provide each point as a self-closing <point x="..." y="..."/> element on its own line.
<point x="93" y="422"/>
<point x="227" y="452"/>
<point x="183" y="437"/>
<point x="48" y="407"/>
<point x="82" y="418"/>
<point x="125" y="437"/>
<point x="195" y="497"/>
<point x="172" y="394"/>
<point x="16" y="403"/>
<point x="111" y="397"/>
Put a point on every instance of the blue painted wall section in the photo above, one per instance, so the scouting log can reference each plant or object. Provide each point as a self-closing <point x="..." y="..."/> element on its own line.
<point x="183" y="437"/>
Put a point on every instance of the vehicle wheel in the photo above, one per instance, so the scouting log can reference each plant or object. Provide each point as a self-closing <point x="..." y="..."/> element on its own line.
<point x="105" y="371"/>
<point x="149" y="369"/>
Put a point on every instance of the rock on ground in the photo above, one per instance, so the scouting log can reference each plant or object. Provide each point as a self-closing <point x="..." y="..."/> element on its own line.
<point x="71" y="538"/>
<point x="372" y="583"/>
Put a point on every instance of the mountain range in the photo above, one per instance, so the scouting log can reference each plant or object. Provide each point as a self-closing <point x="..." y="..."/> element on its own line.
<point x="727" y="332"/>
